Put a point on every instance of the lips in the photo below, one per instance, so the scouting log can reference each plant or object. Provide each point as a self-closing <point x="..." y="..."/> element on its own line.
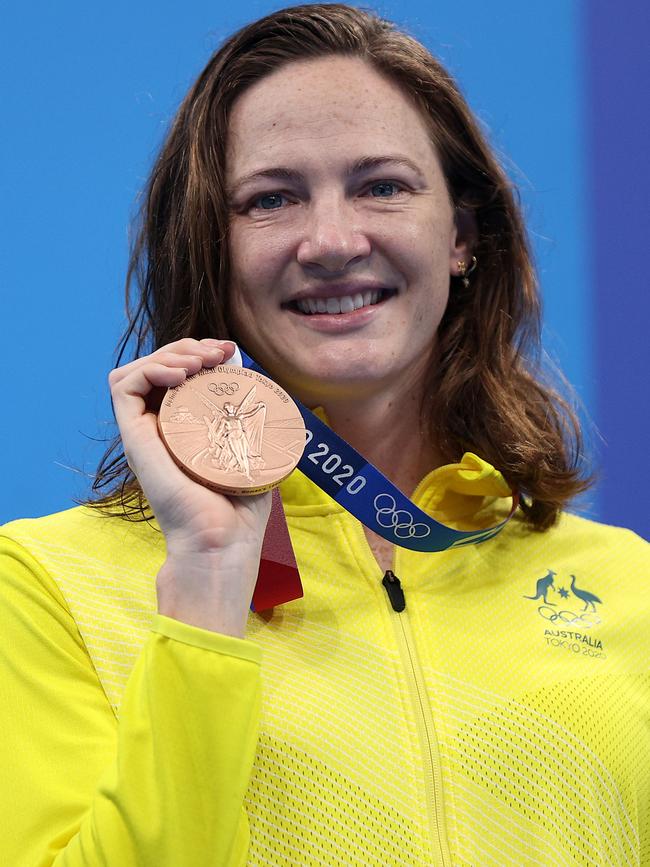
<point x="339" y="303"/>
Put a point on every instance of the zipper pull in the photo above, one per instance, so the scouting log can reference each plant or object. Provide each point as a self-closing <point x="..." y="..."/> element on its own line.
<point x="394" y="590"/>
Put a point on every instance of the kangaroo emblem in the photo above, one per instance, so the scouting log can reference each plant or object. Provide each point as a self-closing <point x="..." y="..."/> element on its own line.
<point x="587" y="597"/>
<point x="543" y="586"/>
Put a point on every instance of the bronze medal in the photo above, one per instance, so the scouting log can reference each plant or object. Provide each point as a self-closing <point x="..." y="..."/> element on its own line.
<point x="232" y="429"/>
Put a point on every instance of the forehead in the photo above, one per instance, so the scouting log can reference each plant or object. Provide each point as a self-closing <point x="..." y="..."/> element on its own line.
<point x="321" y="107"/>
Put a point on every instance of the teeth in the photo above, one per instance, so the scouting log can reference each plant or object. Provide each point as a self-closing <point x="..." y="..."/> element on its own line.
<point x="333" y="305"/>
<point x="344" y="304"/>
<point x="347" y="304"/>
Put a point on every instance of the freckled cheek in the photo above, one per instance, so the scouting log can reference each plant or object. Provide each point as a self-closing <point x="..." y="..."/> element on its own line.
<point x="247" y="325"/>
<point x="419" y="239"/>
<point x="261" y="259"/>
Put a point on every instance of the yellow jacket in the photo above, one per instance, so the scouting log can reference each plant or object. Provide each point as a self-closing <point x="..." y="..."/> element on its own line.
<point x="503" y="717"/>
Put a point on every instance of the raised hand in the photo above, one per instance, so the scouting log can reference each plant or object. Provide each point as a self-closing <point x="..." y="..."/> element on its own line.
<point x="213" y="541"/>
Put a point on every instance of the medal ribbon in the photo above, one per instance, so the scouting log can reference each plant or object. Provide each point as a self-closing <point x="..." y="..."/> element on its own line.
<point x="355" y="483"/>
<point x="359" y="487"/>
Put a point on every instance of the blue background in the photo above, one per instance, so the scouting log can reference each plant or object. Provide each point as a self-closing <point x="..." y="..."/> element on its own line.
<point x="88" y="92"/>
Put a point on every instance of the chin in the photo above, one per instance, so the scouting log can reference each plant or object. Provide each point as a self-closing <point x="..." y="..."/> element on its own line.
<point x="324" y="385"/>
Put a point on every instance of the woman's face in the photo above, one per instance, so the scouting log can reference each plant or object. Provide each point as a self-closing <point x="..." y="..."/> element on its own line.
<point x="342" y="233"/>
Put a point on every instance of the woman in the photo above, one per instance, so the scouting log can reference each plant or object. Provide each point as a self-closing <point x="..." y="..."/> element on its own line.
<point x="325" y="198"/>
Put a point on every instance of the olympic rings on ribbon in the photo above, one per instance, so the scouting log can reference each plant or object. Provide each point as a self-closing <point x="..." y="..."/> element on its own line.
<point x="587" y="619"/>
<point x="224" y="387"/>
<point x="399" y="519"/>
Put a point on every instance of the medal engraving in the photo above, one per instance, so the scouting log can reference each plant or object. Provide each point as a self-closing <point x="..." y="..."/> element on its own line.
<point x="235" y="435"/>
<point x="243" y="446"/>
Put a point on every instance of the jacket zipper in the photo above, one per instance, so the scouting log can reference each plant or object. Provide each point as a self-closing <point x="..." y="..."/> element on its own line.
<point x="424" y="719"/>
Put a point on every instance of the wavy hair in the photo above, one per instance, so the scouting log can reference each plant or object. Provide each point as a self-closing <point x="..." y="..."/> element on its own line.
<point x="486" y="391"/>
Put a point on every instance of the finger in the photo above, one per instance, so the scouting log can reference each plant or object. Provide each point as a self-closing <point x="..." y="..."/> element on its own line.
<point x="227" y="346"/>
<point x="192" y="345"/>
<point x="188" y="345"/>
<point x="191" y="363"/>
<point x="211" y="351"/>
<point x="206" y="348"/>
<point x="130" y="392"/>
<point x="202" y="356"/>
<point x="143" y="447"/>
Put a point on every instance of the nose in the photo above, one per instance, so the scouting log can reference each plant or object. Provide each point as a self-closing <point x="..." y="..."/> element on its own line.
<point x="333" y="238"/>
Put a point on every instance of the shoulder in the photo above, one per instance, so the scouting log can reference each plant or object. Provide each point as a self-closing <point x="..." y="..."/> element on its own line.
<point x="574" y="546"/>
<point x="92" y="574"/>
<point x="611" y="562"/>
<point x="600" y="540"/>
<point x="84" y="538"/>
<point x="576" y="536"/>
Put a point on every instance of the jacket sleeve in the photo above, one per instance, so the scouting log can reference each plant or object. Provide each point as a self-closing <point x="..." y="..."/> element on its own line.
<point x="164" y="784"/>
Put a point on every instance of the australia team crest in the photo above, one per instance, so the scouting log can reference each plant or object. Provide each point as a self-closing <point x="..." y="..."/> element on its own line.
<point x="573" y="611"/>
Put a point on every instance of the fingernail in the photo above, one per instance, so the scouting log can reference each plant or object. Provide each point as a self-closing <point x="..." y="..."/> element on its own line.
<point x="209" y="341"/>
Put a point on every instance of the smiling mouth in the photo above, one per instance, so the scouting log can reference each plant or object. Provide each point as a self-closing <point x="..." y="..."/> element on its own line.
<point x="342" y="304"/>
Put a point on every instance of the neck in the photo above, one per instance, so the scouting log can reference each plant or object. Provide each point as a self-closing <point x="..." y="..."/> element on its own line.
<point x="389" y="433"/>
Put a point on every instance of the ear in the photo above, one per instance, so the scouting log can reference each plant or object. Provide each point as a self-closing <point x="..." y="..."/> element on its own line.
<point x="463" y="240"/>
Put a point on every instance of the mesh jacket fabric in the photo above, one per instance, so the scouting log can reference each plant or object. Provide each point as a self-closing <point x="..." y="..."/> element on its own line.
<point x="502" y="718"/>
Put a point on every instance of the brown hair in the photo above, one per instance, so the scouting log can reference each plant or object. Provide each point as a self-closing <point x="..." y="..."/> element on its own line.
<point x="486" y="389"/>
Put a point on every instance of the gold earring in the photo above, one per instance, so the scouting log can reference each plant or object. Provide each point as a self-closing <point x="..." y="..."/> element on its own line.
<point x="464" y="271"/>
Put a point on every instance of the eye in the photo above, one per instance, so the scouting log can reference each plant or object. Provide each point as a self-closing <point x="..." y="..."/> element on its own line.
<point x="384" y="189"/>
<point x="269" y="201"/>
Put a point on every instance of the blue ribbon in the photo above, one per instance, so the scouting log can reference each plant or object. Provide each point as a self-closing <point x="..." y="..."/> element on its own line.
<point x="359" y="487"/>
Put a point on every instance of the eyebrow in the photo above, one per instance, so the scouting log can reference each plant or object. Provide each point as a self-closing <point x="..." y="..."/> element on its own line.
<point x="278" y="173"/>
<point x="365" y="164"/>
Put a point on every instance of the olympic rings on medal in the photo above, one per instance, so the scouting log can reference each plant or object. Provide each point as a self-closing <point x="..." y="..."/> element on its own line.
<point x="399" y="519"/>
<point x="224" y="387"/>
<point x="587" y="619"/>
